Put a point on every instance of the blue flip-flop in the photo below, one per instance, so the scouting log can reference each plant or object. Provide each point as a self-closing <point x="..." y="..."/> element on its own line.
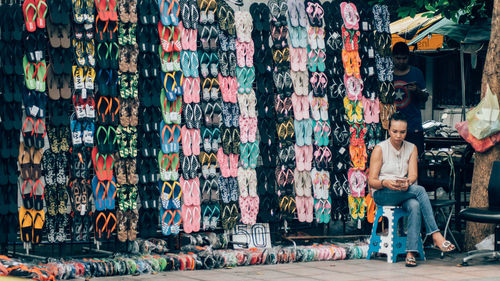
<point x="165" y="194"/>
<point x="165" y="137"/>
<point x="179" y="80"/>
<point x="194" y="64"/>
<point x="166" y="216"/>
<point x="299" y="132"/>
<point x="110" y="194"/>
<point x="163" y="7"/>
<point x="98" y="190"/>
<point x="168" y="85"/>
<point x="174" y="145"/>
<point x="173" y="14"/>
<point x="175" y="199"/>
<point x="186" y="63"/>
<point x="176" y="226"/>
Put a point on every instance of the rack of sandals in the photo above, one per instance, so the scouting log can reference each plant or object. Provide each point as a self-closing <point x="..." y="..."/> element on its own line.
<point x="142" y="118"/>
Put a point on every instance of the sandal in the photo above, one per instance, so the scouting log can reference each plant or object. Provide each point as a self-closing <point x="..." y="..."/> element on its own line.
<point x="411" y="262"/>
<point x="446" y="247"/>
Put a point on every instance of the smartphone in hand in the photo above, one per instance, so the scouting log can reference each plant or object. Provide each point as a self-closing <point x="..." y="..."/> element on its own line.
<point x="401" y="182"/>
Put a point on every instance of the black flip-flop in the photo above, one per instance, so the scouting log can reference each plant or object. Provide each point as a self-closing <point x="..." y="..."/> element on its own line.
<point x="5" y="24"/>
<point x="17" y="22"/>
<point x="17" y="57"/>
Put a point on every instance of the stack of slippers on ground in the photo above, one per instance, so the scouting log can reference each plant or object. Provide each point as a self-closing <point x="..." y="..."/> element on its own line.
<point x="11" y="115"/>
<point x="153" y="259"/>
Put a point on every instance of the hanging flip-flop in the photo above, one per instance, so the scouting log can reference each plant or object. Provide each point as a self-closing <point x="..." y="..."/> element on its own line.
<point x="99" y="166"/>
<point x="166" y="137"/>
<point x="111" y="190"/>
<point x="99" y="192"/>
<point x="102" y="9"/>
<point x="30" y="70"/>
<point x="27" y="193"/>
<point x="100" y="226"/>
<point x="165" y="7"/>
<point x="25" y="224"/>
<point x="169" y="85"/>
<point x="112" y="13"/>
<point x="30" y="15"/>
<point x="41" y="13"/>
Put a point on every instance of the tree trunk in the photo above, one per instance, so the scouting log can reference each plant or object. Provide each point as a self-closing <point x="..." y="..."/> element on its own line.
<point x="475" y="232"/>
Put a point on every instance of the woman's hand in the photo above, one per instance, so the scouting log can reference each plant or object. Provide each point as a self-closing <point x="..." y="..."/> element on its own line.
<point x="394" y="185"/>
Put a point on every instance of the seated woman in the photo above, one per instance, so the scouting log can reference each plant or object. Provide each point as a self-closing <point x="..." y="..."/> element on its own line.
<point x="393" y="173"/>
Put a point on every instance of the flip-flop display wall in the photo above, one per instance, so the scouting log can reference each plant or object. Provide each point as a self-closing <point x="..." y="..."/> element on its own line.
<point x="149" y="66"/>
<point x="56" y="160"/>
<point x="211" y="106"/>
<point x="228" y="154"/>
<point x="180" y="112"/>
<point x="247" y="101"/>
<point x="283" y="107"/>
<point x="303" y="123"/>
<point x="31" y="149"/>
<point x="322" y="155"/>
<point x="264" y="92"/>
<point x="171" y="100"/>
<point x="11" y="117"/>
<point x="127" y="214"/>
<point x="191" y="134"/>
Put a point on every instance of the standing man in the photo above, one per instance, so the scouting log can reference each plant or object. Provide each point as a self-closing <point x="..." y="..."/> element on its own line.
<point x="410" y="93"/>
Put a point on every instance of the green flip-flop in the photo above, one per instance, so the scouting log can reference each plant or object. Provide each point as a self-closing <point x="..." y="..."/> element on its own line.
<point x="165" y="108"/>
<point x="41" y="75"/>
<point x="29" y="73"/>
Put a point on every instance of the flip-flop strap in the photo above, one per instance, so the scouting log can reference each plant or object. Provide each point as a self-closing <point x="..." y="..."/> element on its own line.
<point x="24" y="186"/>
<point x="107" y="189"/>
<point x="34" y="7"/>
<point x="162" y="163"/>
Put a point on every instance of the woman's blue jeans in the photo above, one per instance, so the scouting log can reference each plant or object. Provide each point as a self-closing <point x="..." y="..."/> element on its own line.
<point x="416" y="202"/>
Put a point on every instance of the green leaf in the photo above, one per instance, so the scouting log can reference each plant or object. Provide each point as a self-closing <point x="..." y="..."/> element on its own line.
<point x="413" y="12"/>
<point x="428" y="14"/>
<point x="429" y="7"/>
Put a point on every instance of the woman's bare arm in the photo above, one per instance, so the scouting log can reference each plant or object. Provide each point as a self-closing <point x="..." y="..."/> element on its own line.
<point x="375" y="166"/>
<point x="413" y="167"/>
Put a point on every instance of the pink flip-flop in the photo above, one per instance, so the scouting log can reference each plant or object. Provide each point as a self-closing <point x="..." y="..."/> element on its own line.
<point x="195" y="90"/>
<point x="187" y="218"/>
<point x="186" y="141"/>
<point x="243" y="182"/>
<point x="195" y="141"/>
<point x="223" y="160"/>
<point x="233" y="164"/>
<point x="252" y="130"/>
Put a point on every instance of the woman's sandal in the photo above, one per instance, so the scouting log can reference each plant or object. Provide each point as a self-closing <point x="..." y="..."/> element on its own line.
<point x="446" y="246"/>
<point x="411" y="262"/>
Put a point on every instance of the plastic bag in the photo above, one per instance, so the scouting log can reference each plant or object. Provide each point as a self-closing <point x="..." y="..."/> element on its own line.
<point x="478" y="145"/>
<point x="484" y="119"/>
